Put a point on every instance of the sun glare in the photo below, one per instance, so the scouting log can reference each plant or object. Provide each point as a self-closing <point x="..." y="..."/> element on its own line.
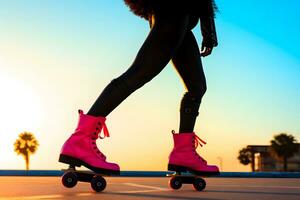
<point x="20" y="111"/>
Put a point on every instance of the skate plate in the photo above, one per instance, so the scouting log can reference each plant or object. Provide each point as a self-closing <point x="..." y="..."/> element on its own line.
<point x="72" y="176"/>
<point x="177" y="180"/>
<point x="195" y="177"/>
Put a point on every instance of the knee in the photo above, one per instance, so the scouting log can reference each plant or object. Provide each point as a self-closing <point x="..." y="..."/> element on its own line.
<point x="132" y="81"/>
<point x="202" y="90"/>
<point x="141" y="79"/>
<point x="198" y="92"/>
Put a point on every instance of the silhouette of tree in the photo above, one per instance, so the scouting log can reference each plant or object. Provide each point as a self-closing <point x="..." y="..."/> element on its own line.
<point x="25" y="145"/>
<point x="245" y="156"/>
<point x="284" y="146"/>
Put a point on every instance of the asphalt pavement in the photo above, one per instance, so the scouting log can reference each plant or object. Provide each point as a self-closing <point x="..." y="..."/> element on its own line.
<point x="13" y="188"/>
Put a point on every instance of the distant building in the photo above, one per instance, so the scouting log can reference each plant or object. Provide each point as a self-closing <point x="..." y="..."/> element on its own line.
<point x="262" y="159"/>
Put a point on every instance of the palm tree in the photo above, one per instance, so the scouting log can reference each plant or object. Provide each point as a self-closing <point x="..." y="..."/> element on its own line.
<point x="25" y="145"/>
<point x="284" y="147"/>
<point x="246" y="157"/>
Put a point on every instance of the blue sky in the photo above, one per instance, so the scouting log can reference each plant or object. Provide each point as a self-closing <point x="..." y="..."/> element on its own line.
<point x="274" y="21"/>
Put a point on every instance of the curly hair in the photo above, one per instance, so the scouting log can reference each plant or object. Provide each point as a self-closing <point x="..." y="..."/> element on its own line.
<point x="144" y="8"/>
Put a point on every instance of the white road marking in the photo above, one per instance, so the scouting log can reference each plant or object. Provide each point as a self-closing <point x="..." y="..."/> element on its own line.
<point x="84" y="194"/>
<point x="151" y="188"/>
<point x="146" y="186"/>
<point x="137" y="191"/>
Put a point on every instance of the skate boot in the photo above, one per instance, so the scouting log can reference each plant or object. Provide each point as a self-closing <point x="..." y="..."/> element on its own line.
<point x="81" y="149"/>
<point x="184" y="157"/>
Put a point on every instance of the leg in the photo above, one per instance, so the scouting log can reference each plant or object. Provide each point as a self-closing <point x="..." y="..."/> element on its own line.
<point x="160" y="46"/>
<point x="184" y="156"/>
<point x="187" y="62"/>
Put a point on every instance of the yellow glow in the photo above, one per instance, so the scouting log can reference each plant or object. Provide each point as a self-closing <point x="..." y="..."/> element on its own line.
<point x="20" y="111"/>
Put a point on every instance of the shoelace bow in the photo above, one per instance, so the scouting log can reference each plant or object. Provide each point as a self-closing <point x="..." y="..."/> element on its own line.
<point x="105" y="130"/>
<point x="198" y="141"/>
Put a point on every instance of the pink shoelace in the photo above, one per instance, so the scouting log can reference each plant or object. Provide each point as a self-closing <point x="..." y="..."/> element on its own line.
<point x="105" y="130"/>
<point x="198" y="142"/>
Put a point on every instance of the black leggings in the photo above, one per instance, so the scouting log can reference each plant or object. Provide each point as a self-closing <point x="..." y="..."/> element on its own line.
<point x="170" y="38"/>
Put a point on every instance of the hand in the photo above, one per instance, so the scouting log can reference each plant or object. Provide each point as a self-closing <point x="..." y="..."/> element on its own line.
<point x="205" y="51"/>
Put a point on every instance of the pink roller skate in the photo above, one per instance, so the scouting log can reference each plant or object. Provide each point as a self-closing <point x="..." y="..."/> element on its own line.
<point x="184" y="158"/>
<point x="81" y="149"/>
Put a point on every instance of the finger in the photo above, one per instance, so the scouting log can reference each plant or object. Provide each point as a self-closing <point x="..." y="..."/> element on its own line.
<point x="204" y="53"/>
<point x="207" y="52"/>
<point x="202" y="48"/>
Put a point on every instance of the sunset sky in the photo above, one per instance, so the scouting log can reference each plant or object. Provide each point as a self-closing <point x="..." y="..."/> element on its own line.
<point x="56" y="56"/>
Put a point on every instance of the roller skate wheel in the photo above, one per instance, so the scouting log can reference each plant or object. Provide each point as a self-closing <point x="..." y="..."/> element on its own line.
<point x="69" y="179"/>
<point x="199" y="184"/>
<point x="175" y="183"/>
<point x="98" y="183"/>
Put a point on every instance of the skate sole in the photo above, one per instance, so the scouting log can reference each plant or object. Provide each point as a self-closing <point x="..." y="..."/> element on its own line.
<point x="77" y="162"/>
<point x="178" y="168"/>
